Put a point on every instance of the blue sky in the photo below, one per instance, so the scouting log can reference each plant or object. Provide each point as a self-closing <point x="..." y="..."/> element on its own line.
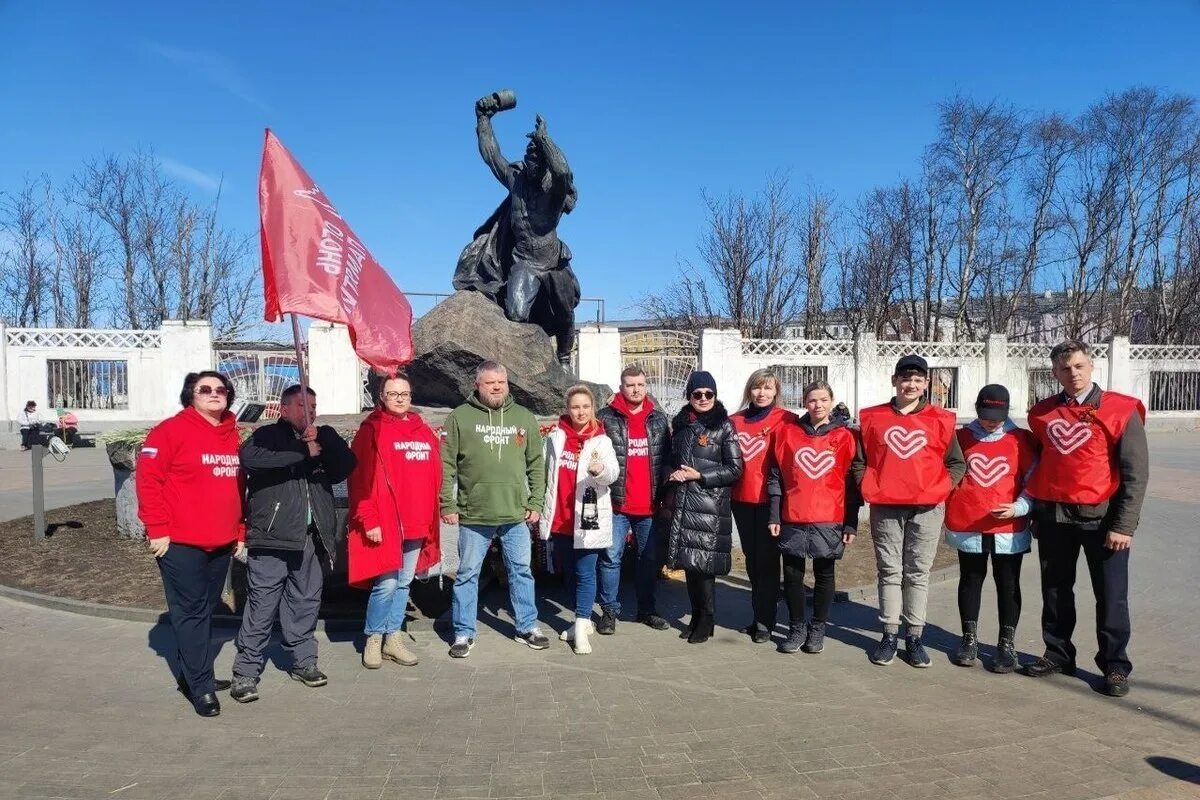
<point x="651" y="102"/>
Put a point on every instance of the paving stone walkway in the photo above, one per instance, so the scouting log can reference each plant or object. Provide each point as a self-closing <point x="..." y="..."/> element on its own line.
<point x="89" y="709"/>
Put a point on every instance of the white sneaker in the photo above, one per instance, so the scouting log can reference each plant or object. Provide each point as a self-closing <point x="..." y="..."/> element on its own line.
<point x="461" y="647"/>
<point x="583" y="627"/>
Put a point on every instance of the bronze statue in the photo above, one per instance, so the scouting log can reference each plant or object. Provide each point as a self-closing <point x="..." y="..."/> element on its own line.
<point x="516" y="258"/>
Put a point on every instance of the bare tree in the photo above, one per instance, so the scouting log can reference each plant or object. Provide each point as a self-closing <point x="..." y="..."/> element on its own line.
<point x="23" y="222"/>
<point x="817" y="222"/>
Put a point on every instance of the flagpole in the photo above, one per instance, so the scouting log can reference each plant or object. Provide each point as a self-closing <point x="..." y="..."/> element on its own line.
<point x="303" y="368"/>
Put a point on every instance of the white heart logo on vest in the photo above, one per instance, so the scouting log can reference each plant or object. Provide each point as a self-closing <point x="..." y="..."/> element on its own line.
<point x="814" y="463"/>
<point x="987" y="471"/>
<point x="1067" y="437"/>
<point x="752" y="445"/>
<point x="903" y="442"/>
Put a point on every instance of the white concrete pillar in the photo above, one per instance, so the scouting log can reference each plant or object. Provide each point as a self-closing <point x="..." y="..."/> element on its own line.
<point x="995" y="359"/>
<point x="721" y="354"/>
<point x="1120" y="374"/>
<point x="867" y="392"/>
<point x="600" y="355"/>
<point x="7" y="411"/>
<point x="186" y="347"/>
<point x="334" y="371"/>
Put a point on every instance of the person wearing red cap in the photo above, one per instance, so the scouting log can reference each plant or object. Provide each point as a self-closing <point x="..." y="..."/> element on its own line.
<point x="986" y="515"/>
<point x="1089" y="486"/>
<point x="909" y="462"/>
<point x="755" y="425"/>
<point x="190" y="500"/>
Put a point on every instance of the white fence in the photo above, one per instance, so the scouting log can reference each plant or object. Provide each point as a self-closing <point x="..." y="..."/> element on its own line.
<point x="107" y="377"/>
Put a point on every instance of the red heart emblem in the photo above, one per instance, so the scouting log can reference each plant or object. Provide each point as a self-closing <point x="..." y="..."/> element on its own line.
<point x="987" y="471"/>
<point x="903" y="442"/>
<point x="1067" y="437"/>
<point x="815" y="463"/>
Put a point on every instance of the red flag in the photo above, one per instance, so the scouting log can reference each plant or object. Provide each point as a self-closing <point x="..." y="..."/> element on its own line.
<point x="314" y="265"/>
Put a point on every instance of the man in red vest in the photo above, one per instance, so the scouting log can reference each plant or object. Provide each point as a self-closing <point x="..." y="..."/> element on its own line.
<point x="909" y="462"/>
<point x="1089" y="484"/>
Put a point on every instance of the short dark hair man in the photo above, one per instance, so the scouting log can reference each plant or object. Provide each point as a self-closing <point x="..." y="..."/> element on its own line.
<point x="641" y="436"/>
<point x="1089" y="485"/>
<point x="290" y="469"/>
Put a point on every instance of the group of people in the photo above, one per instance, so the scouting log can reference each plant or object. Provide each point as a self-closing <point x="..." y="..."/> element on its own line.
<point x="35" y="430"/>
<point x="625" y="475"/>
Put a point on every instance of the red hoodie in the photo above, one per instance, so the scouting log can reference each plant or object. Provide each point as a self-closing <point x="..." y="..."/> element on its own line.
<point x="188" y="483"/>
<point x="638" y="498"/>
<point x="394" y="488"/>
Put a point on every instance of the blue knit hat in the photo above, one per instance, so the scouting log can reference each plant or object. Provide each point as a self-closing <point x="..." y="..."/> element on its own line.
<point x="700" y="380"/>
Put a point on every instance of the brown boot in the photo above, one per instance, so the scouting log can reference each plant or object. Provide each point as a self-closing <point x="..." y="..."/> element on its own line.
<point x="393" y="648"/>
<point x="372" y="658"/>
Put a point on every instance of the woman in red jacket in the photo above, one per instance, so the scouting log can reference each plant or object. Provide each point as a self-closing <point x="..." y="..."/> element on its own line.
<point x="755" y="425"/>
<point x="393" y="527"/>
<point x="189" y="499"/>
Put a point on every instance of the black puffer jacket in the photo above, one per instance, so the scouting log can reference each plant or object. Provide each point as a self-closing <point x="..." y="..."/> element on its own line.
<point x="282" y="480"/>
<point x="695" y="514"/>
<point x="658" y="431"/>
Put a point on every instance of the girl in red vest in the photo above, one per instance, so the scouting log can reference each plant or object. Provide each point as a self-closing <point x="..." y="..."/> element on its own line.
<point x="393" y="529"/>
<point x="814" y="509"/>
<point x="189" y="495"/>
<point x="755" y="425"/>
<point x="986" y="515"/>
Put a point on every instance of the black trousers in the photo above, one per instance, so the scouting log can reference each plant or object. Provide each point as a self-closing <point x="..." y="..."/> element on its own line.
<point x="1006" y="573"/>
<point x="29" y="437"/>
<point x="762" y="560"/>
<point x="702" y="591"/>
<point x="1058" y="555"/>
<point x="193" y="580"/>
<point x="824" y="585"/>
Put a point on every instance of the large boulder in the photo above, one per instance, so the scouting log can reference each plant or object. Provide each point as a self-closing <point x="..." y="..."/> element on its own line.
<point x="466" y="329"/>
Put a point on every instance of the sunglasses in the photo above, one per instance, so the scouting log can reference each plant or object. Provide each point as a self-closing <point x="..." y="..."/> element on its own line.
<point x="219" y="391"/>
<point x="703" y="394"/>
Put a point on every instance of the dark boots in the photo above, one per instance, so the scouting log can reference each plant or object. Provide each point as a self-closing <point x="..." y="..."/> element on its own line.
<point x="1006" y="650"/>
<point x="968" y="646"/>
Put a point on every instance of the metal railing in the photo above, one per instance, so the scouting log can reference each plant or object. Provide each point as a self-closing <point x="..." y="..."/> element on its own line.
<point x="1174" y="391"/>
<point x="79" y="383"/>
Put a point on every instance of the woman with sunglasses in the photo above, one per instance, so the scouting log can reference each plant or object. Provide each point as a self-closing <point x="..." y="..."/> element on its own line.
<point x="695" y="511"/>
<point x="756" y="425"/>
<point x="189" y="499"/>
<point x="393" y="530"/>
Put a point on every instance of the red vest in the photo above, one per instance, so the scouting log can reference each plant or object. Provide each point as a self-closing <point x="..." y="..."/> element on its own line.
<point x="906" y="455"/>
<point x="1078" y="462"/>
<point x="813" y="472"/>
<point x="755" y="440"/>
<point x="995" y="474"/>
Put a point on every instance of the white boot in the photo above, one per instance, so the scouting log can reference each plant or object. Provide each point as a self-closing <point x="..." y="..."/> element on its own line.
<point x="583" y="627"/>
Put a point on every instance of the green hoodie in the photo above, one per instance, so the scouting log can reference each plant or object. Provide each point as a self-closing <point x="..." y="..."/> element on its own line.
<point x="495" y="458"/>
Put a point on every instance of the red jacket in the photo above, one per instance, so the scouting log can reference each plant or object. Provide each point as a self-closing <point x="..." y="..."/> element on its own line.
<point x="394" y="488"/>
<point x="188" y="481"/>
<point x="755" y="439"/>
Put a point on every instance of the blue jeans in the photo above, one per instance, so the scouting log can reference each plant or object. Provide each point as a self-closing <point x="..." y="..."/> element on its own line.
<point x="388" y="602"/>
<point x="581" y="566"/>
<point x="646" y="572"/>
<point x="473" y="544"/>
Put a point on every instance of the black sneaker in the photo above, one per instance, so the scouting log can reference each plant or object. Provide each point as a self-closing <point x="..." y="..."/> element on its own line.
<point x="885" y="651"/>
<point x="534" y="638"/>
<point x="814" y="642"/>
<point x="1116" y="684"/>
<point x="795" y="639"/>
<point x="761" y="634"/>
<point x="1048" y="666"/>
<point x="310" y="676"/>
<point x="650" y="620"/>
<point x="461" y="647"/>
<point x="244" y="690"/>
<point x="968" y="647"/>
<point x="607" y="625"/>
<point x="917" y="656"/>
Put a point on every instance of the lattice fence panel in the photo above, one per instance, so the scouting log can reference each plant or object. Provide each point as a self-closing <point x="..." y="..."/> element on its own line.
<point x="785" y="348"/>
<point x="82" y="337"/>
<point x="1164" y="352"/>
<point x="930" y="349"/>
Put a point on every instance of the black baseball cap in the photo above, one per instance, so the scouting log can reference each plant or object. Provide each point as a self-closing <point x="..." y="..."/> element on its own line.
<point x="992" y="403"/>
<point x="911" y="362"/>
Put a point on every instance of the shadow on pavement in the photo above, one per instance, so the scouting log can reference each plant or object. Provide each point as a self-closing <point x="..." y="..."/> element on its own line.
<point x="1173" y="767"/>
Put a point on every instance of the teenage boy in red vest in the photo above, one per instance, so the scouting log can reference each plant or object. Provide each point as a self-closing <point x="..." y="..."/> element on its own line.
<point x="909" y="462"/>
<point x="1089" y="483"/>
